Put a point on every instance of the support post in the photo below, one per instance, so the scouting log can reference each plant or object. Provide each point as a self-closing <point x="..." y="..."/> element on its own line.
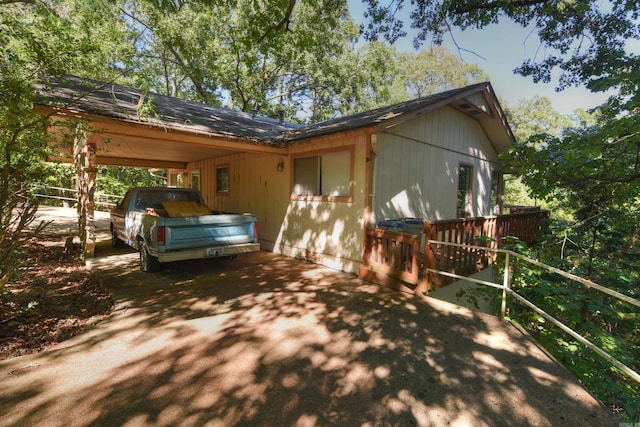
<point x="505" y="286"/>
<point x="90" y="171"/>
<point x="86" y="170"/>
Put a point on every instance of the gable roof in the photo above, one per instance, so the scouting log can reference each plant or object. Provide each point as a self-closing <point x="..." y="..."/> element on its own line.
<point x="111" y="100"/>
<point x="486" y="109"/>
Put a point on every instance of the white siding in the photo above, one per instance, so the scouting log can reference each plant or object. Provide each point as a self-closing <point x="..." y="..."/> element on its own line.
<point x="417" y="164"/>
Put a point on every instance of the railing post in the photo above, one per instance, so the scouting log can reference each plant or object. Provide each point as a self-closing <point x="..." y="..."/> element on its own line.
<point x="505" y="286"/>
<point x="427" y="282"/>
<point x="367" y="247"/>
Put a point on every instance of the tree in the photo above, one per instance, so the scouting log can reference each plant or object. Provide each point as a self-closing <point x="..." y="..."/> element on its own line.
<point x="527" y="119"/>
<point x="247" y="55"/>
<point x="535" y="117"/>
<point x="433" y="70"/>
<point x="586" y="40"/>
<point x="36" y="43"/>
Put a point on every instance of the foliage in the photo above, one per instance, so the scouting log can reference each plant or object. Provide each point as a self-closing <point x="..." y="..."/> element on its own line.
<point x="111" y="180"/>
<point x="589" y="173"/>
<point x="267" y="56"/>
<point x="527" y="119"/>
<point x="535" y="117"/>
<point x="607" y="322"/>
<point x="116" y="180"/>
<point x="516" y="193"/>
<point x="36" y="43"/>
<point x="434" y="70"/>
<point x="586" y="40"/>
<point x="249" y="55"/>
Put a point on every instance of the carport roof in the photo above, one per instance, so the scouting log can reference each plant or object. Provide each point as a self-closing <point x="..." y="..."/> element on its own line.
<point x="115" y="101"/>
<point x="83" y="95"/>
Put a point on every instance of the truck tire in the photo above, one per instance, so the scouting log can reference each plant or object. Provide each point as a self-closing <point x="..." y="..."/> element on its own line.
<point x="116" y="242"/>
<point x="148" y="263"/>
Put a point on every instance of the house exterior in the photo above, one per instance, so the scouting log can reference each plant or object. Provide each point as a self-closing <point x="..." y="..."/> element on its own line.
<point x="314" y="188"/>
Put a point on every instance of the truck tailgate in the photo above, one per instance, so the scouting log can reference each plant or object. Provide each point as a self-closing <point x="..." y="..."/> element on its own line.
<point x="208" y="231"/>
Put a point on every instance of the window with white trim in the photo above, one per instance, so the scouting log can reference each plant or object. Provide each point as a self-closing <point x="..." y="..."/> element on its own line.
<point x="496" y="192"/>
<point x="322" y="175"/>
<point x="222" y="179"/>
<point x="464" y="206"/>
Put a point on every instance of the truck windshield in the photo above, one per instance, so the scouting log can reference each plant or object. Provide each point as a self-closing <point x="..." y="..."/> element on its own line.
<point x="154" y="199"/>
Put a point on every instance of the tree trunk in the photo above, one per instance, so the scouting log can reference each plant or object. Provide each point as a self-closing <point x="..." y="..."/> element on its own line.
<point x="624" y="249"/>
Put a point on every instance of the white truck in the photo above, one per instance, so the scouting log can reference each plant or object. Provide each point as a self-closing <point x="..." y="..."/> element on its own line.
<point x="172" y="224"/>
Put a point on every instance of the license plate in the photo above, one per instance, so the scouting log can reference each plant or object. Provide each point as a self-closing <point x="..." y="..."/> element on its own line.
<point x="213" y="252"/>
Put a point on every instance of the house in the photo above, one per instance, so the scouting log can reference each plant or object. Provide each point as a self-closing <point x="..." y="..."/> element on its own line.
<point x="314" y="188"/>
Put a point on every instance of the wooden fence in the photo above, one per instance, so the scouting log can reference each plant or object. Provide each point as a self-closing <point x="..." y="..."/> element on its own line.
<point x="399" y="260"/>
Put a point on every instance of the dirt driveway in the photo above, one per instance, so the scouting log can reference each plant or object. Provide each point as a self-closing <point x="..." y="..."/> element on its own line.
<point x="266" y="340"/>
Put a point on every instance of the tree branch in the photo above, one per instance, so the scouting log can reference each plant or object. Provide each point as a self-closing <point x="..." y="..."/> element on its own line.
<point x="497" y="4"/>
<point x="284" y="22"/>
<point x="8" y="2"/>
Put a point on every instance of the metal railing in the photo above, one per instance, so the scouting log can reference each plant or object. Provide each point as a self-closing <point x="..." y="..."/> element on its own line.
<point x="102" y="201"/>
<point x="507" y="290"/>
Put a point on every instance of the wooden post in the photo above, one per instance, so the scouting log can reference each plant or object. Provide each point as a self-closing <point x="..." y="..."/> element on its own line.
<point x="90" y="172"/>
<point x="78" y="161"/>
<point x="85" y="165"/>
<point x="427" y="283"/>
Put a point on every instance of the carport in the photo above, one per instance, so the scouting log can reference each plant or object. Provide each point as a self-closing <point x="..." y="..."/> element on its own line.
<point x="99" y="123"/>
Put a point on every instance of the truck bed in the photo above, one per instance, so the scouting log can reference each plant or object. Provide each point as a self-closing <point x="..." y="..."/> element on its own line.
<point x="208" y="230"/>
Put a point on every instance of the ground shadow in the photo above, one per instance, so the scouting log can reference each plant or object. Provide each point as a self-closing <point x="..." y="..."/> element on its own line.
<point x="268" y="340"/>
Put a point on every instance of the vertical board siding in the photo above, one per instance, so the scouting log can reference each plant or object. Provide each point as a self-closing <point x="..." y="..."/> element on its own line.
<point x="417" y="166"/>
<point x="329" y="232"/>
<point x="255" y="186"/>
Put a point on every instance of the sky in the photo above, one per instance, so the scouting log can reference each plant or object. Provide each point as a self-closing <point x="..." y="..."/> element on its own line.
<point x="498" y="50"/>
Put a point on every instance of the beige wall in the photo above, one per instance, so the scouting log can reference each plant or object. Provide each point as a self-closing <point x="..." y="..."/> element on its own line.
<point x="255" y="185"/>
<point x="416" y="168"/>
<point x="328" y="232"/>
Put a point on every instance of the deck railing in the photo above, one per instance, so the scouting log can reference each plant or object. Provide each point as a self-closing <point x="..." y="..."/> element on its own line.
<point x="391" y="254"/>
<point x="398" y="259"/>
<point x="507" y="290"/>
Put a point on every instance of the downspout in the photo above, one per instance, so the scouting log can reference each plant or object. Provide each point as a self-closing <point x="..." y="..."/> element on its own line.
<point x="369" y="188"/>
<point x="372" y="153"/>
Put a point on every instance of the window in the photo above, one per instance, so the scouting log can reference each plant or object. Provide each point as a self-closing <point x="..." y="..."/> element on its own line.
<point x="495" y="202"/>
<point x="222" y="179"/>
<point x="324" y="175"/>
<point x="176" y="179"/>
<point x="195" y="179"/>
<point x="464" y="206"/>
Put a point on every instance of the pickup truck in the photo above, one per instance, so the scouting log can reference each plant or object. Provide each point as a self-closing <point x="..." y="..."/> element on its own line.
<point x="173" y="224"/>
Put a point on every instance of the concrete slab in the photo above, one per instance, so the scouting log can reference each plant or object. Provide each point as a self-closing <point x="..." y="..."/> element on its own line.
<point x="267" y="340"/>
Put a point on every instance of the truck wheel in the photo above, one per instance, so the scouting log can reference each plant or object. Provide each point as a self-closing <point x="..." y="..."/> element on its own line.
<point x="148" y="263"/>
<point x="115" y="240"/>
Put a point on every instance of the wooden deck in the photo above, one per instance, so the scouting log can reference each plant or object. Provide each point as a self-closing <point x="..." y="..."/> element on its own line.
<point x="400" y="261"/>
